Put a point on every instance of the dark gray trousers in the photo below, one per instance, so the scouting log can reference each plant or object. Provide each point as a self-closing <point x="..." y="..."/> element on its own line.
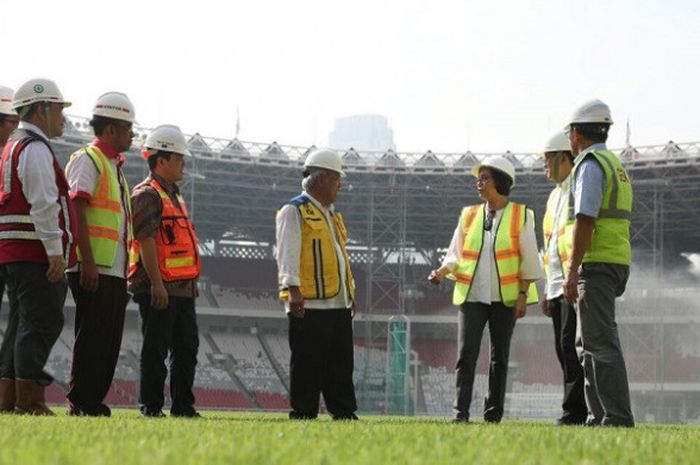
<point x="473" y="317"/>
<point x="564" y="322"/>
<point x="598" y="344"/>
<point x="34" y="322"/>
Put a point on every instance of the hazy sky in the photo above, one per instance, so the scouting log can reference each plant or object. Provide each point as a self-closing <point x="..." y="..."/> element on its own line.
<point x="450" y="75"/>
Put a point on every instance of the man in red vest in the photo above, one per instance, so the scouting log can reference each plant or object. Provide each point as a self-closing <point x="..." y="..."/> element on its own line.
<point x="164" y="266"/>
<point x="8" y="123"/>
<point x="37" y="231"/>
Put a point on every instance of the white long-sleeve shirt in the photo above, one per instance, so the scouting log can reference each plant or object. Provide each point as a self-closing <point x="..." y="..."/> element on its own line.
<point x="35" y="172"/>
<point x="288" y="235"/>
<point x="485" y="287"/>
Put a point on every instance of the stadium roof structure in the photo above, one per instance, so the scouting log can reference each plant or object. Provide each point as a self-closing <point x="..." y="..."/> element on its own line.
<point x="235" y="188"/>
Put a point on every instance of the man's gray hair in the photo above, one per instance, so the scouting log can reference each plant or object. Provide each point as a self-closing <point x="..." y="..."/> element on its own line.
<point x="311" y="175"/>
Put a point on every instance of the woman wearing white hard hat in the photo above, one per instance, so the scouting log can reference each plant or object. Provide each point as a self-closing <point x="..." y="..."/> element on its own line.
<point x="492" y="287"/>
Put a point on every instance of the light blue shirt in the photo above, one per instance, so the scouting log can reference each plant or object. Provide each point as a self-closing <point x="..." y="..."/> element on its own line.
<point x="590" y="184"/>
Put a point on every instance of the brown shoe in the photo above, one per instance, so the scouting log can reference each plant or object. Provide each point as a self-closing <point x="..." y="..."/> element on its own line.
<point x="7" y="395"/>
<point x="30" y="398"/>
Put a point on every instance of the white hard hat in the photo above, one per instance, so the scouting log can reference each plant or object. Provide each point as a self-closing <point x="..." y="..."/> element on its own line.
<point x="326" y="159"/>
<point x="6" y="95"/>
<point x="496" y="162"/>
<point x="592" y="111"/>
<point x="38" y="90"/>
<point x="167" y="138"/>
<point x="558" y="142"/>
<point x="114" y="105"/>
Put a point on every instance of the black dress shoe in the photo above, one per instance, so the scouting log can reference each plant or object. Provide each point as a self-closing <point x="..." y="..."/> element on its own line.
<point x="460" y="420"/>
<point x="567" y="420"/>
<point x="100" y="411"/>
<point x="293" y="415"/>
<point x="186" y="414"/>
<point x="592" y="423"/>
<point x="351" y="417"/>
<point x="152" y="413"/>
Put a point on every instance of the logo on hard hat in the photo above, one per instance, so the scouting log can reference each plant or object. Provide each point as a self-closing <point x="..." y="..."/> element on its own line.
<point x="38" y="88"/>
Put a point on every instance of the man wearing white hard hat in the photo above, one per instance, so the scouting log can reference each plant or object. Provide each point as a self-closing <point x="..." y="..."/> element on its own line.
<point x="8" y="123"/>
<point x="37" y="231"/>
<point x="599" y="265"/>
<point x="490" y="288"/>
<point x="98" y="283"/>
<point x="164" y="267"/>
<point x="557" y="228"/>
<point x="318" y="291"/>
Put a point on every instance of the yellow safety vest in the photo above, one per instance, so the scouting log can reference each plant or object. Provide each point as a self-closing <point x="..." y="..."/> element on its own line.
<point x="104" y="209"/>
<point x="506" y="250"/>
<point x="319" y="271"/>
<point x="565" y="228"/>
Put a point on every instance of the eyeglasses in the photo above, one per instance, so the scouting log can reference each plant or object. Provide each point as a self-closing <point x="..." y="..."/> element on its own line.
<point x="488" y="223"/>
<point x="483" y="179"/>
<point x="126" y="126"/>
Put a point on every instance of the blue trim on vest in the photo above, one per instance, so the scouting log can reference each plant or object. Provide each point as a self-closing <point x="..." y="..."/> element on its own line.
<point x="299" y="200"/>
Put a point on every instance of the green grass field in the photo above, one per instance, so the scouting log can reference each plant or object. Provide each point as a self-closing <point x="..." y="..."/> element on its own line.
<point x="235" y="438"/>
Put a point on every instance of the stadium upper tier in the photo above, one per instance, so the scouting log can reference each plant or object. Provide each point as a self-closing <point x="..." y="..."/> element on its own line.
<point x="401" y="199"/>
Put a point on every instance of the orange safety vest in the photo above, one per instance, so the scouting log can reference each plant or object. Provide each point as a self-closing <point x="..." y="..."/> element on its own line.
<point x="176" y="242"/>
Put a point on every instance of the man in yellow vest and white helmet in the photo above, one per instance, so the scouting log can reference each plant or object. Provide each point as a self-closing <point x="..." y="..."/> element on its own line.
<point x="557" y="227"/>
<point x="9" y="120"/>
<point x="494" y="260"/>
<point x="318" y="291"/>
<point x="600" y="260"/>
<point x="98" y="283"/>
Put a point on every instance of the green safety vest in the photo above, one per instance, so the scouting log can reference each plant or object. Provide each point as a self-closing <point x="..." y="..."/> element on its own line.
<point x="611" y="236"/>
<point x="565" y="229"/>
<point x="104" y="209"/>
<point x="506" y="250"/>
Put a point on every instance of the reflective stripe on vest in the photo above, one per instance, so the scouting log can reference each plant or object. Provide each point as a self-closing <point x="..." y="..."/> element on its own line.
<point x="564" y="233"/>
<point x="104" y="210"/>
<point x="319" y="270"/>
<point x="506" y="250"/>
<point x="21" y="242"/>
<point x="176" y="242"/>
<point x="611" y="236"/>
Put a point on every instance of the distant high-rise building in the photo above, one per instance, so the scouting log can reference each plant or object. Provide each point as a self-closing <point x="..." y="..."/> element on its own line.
<point x="364" y="133"/>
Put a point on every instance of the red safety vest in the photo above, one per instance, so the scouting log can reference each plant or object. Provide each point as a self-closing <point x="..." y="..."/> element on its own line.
<point x="176" y="242"/>
<point x="19" y="241"/>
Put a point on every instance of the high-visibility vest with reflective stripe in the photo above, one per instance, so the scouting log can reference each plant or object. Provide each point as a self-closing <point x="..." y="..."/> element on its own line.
<point x="319" y="270"/>
<point x="176" y="242"/>
<point x="19" y="241"/>
<point x="611" y="236"/>
<point x="506" y="250"/>
<point x="104" y="210"/>
<point x="565" y="229"/>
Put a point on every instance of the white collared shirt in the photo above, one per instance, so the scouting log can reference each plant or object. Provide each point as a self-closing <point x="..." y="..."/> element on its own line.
<point x="485" y="287"/>
<point x="288" y="235"/>
<point x="555" y="281"/>
<point x="35" y="172"/>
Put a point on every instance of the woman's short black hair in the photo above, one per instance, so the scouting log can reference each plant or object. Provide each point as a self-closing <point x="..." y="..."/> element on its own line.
<point x="595" y="132"/>
<point x="501" y="181"/>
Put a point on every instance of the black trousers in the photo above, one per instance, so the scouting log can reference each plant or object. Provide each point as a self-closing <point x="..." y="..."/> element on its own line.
<point x="99" y="323"/>
<point x="170" y="331"/>
<point x="321" y="363"/>
<point x="34" y="322"/>
<point x="564" y="322"/>
<point x="473" y="317"/>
